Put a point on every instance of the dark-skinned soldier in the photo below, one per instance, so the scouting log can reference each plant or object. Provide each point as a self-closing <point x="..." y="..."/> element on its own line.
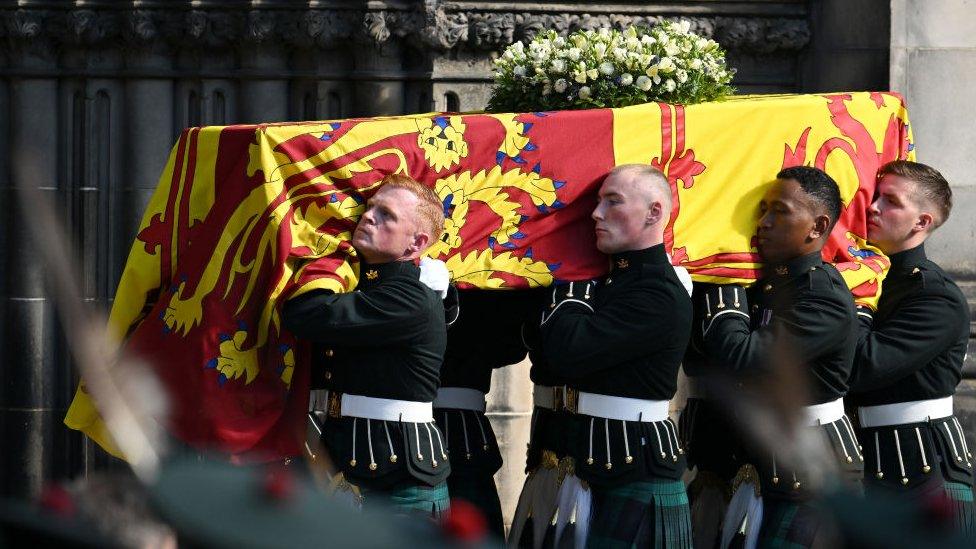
<point x="801" y="314"/>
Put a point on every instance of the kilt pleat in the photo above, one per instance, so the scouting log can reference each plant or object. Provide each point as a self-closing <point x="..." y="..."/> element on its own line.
<point x="432" y="501"/>
<point x="641" y="514"/>
<point x="964" y="513"/>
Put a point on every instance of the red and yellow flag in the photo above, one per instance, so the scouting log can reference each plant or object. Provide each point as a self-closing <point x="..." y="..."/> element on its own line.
<point x="246" y="216"/>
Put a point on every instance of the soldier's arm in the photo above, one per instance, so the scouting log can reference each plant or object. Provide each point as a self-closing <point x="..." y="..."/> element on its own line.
<point x="922" y="327"/>
<point x="392" y="312"/>
<point x="817" y="320"/>
<point x="577" y="341"/>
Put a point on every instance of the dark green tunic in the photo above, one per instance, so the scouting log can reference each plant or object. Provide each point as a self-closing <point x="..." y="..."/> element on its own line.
<point x="912" y="348"/>
<point x="386" y="340"/>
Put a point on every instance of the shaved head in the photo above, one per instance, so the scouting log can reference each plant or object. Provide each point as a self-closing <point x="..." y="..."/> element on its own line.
<point x="649" y="181"/>
<point x="633" y="209"/>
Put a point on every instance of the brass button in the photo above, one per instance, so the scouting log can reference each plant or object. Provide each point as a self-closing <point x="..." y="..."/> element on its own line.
<point x="328" y="374"/>
<point x="329" y="353"/>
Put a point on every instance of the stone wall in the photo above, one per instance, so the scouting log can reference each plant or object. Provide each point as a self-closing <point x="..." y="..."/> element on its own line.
<point x="933" y="64"/>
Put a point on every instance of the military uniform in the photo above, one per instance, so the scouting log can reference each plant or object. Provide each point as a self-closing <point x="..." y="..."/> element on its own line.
<point x="546" y="464"/>
<point x="485" y="336"/>
<point x="377" y="356"/>
<point x="800" y="310"/>
<point x="618" y="346"/>
<point x="908" y="363"/>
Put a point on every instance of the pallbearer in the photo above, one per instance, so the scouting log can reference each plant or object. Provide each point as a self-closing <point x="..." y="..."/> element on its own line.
<point x="485" y="336"/>
<point x="618" y="343"/>
<point x="911" y="350"/>
<point x="799" y="312"/>
<point x="378" y="353"/>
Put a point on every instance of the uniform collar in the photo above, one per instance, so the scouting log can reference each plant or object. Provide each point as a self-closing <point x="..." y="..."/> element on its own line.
<point x="371" y="274"/>
<point x="655" y="255"/>
<point x="906" y="260"/>
<point x="793" y="267"/>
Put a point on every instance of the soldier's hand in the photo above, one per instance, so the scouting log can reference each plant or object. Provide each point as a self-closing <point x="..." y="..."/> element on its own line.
<point x="434" y="274"/>
<point x="582" y="293"/>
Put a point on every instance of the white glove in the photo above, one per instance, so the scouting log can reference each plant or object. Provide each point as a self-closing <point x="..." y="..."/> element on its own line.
<point x="434" y="274"/>
<point x="683" y="276"/>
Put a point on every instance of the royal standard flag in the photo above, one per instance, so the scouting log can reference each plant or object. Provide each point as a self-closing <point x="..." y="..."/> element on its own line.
<point x="245" y="217"/>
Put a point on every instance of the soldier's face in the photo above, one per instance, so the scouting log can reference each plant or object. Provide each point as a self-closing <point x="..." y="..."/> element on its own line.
<point x="388" y="229"/>
<point x="894" y="215"/>
<point x="787" y="224"/>
<point x="621" y="214"/>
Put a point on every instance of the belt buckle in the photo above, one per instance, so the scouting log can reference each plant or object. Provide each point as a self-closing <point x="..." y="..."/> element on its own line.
<point x="571" y="400"/>
<point x="334" y="406"/>
<point x="557" y="398"/>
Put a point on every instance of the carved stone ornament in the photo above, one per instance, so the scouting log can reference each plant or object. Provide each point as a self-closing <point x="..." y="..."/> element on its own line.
<point x="429" y="24"/>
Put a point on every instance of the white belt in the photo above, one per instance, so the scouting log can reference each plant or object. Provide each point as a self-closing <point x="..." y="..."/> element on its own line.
<point x="822" y="414"/>
<point x="622" y="408"/>
<point x="543" y="396"/>
<point x="900" y="413"/>
<point x="460" y="398"/>
<point x="384" y="409"/>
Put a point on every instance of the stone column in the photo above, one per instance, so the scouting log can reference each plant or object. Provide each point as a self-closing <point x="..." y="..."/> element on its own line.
<point x="263" y="98"/>
<point x="34" y="443"/>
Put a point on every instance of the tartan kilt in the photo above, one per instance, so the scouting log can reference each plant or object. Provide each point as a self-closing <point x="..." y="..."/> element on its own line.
<point x="414" y="499"/>
<point x="790" y="524"/>
<point x="641" y="514"/>
<point x="480" y="491"/>
<point x="963" y="511"/>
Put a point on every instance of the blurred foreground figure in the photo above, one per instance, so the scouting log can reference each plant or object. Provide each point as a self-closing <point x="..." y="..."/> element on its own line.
<point x="617" y="344"/>
<point x="378" y="353"/>
<point x="798" y="320"/>
<point x="910" y="352"/>
<point x="486" y="335"/>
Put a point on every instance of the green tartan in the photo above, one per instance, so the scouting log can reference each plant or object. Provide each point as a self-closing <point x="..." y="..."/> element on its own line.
<point x="480" y="491"/>
<point x="964" y="513"/>
<point x="641" y="514"/>
<point x="413" y="499"/>
<point x="789" y="524"/>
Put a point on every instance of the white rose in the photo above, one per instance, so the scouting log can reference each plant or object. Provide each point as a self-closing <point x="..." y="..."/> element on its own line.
<point x="619" y="54"/>
<point x="579" y="41"/>
<point x="560" y="85"/>
<point x="558" y="65"/>
<point x="651" y="71"/>
<point x="643" y="82"/>
<point x="600" y="49"/>
<point x="604" y="33"/>
<point x="584" y="92"/>
<point x="656" y="79"/>
<point x="671" y="50"/>
<point x="592" y="74"/>
<point x="647" y="40"/>
<point x="702" y="43"/>
<point x="681" y="75"/>
<point x="632" y="42"/>
<point x="580" y="76"/>
<point x="696" y="64"/>
<point x="518" y="47"/>
<point x="519" y="71"/>
<point x="666" y="65"/>
<point x="684" y="26"/>
<point x="575" y="54"/>
<point x="606" y="68"/>
<point x="669" y="85"/>
<point x="626" y="79"/>
<point x="559" y="42"/>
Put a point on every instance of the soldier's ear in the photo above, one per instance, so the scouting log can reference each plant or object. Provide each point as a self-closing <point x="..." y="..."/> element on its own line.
<point x="421" y="241"/>
<point x="924" y="222"/>
<point x="821" y="226"/>
<point x="654" y="213"/>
